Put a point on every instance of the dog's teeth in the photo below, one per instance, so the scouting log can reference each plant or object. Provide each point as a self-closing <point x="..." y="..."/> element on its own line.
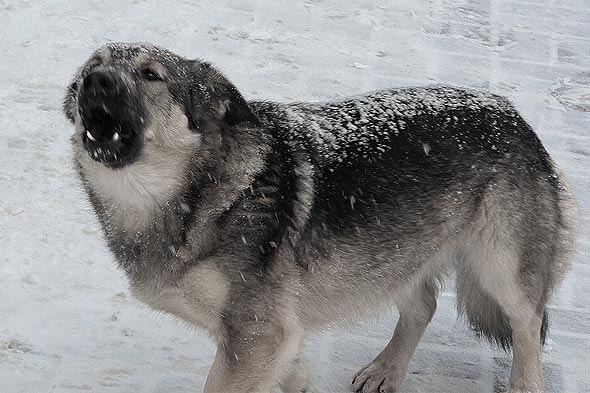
<point x="89" y="135"/>
<point x="116" y="137"/>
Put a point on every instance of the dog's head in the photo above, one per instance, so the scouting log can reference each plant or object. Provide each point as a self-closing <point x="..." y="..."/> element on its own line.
<point x="131" y="98"/>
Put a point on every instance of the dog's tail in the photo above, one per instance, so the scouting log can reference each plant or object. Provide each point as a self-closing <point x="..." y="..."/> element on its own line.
<point x="486" y="317"/>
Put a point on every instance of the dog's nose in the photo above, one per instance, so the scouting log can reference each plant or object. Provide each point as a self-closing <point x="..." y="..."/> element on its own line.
<point x="100" y="82"/>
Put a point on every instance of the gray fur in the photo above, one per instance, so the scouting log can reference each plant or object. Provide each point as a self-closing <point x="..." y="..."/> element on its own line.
<point x="260" y="221"/>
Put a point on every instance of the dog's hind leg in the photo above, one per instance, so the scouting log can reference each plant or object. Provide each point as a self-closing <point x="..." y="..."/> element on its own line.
<point x="512" y="264"/>
<point x="499" y="308"/>
<point x="527" y="324"/>
<point x="527" y="372"/>
<point x="385" y="374"/>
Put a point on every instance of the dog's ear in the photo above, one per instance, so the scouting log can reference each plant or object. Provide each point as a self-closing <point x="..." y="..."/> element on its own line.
<point x="212" y="94"/>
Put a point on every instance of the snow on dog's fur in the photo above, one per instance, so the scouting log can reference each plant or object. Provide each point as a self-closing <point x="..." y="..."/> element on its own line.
<point x="258" y="221"/>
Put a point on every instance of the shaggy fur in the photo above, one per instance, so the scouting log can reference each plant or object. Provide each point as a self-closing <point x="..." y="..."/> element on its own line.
<point x="261" y="221"/>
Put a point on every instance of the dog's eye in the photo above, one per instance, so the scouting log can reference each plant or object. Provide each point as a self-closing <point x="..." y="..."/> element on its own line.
<point x="150" y="75"/>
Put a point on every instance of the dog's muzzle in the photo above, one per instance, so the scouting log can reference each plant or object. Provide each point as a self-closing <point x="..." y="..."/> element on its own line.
<point x="112" y="118"/>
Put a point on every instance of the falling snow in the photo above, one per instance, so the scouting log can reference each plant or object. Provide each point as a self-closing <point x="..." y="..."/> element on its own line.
<point x="67" y="320"/>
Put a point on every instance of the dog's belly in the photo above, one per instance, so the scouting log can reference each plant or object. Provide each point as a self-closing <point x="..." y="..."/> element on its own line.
<point x="349" y="277"/>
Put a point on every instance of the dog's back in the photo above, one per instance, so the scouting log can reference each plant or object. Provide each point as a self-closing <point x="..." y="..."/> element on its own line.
<point x="406" y="123"/>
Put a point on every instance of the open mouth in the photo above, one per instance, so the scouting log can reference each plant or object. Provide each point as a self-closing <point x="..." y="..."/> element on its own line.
<point x="109" y="153"/>
<point x="114" y="151"/>
<point x="108" y="142"/>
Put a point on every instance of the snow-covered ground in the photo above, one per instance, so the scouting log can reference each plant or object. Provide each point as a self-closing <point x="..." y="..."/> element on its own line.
<point x="67" y="323"/>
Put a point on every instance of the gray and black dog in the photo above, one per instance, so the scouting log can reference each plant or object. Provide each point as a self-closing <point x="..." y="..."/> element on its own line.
<point x="261" y="221"/>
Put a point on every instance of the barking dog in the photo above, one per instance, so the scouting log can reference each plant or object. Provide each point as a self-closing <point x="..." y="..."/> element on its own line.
<point x="259" y="221"/>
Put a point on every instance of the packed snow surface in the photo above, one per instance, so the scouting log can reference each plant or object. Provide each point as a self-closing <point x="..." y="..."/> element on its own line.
<point x="67" y="321"/>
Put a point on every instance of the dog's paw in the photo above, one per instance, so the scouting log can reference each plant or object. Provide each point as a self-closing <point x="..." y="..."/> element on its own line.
<point x="377" y="377"/>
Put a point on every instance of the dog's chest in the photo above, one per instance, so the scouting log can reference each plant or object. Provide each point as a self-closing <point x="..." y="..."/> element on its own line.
<point x="139" y="187"/>
<point x="198" y="297"/>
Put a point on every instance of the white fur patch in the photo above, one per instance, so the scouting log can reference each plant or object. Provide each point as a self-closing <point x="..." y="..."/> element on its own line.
<point x="198" y="299"/>
<point x="150" y="181"/>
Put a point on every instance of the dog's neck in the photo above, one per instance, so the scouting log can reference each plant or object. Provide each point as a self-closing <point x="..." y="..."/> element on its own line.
<point x="146" y="205"/>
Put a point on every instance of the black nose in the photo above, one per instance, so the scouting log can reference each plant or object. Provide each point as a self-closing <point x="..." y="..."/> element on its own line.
<point x="100" y="82"/>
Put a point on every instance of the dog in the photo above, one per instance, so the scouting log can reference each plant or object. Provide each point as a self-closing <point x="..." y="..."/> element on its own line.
<point x="260" y="221"/>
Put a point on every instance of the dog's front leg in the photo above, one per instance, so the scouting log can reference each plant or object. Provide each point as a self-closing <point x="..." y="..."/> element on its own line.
<point x="253" y="360"/>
